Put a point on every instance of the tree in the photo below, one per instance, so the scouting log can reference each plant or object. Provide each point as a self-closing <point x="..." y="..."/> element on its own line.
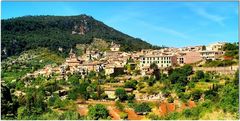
<point x="142" y="108"/>
<point x="131" y="84"/>
<point x="131" y="97"/>
<point x="196" y="95"/>
<point x="229" y="100"/>
<point x="199" y="74"/>
<point x="119" y="105"/>
<point x="156" y="70"/>
<point x="9" y="104"/>
<point x="236" y="78"/>
<point x="97" y="112"/>
<point x="121" y="94"/>
<point x="151" y="81"/>
<point x="230" y="46"/>
<point x="187" y="70"/>
<point x="74" y="79"/>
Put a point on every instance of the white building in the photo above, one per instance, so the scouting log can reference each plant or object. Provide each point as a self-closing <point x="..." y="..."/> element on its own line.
<point x="162" y="61"/>
<point x="114" y="47"/>
<point x="215" y="46"/>
<point x="211" y="55"/>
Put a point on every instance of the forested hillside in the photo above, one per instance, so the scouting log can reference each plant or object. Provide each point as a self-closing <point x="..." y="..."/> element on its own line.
<point x="28" y="32"/>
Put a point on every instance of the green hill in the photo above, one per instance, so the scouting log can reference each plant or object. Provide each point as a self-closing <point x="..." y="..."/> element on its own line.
<point x="29" y="32"/>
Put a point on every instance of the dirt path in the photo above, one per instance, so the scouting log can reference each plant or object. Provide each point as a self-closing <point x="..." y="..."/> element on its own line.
<point x="113" y="113"/>
<point x="108" y="103"/>
<point x="132" y="115"/>
<point x="82" y="110"/>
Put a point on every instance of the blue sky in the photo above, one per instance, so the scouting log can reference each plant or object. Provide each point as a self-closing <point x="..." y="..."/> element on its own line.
<point x="174" y="24"/>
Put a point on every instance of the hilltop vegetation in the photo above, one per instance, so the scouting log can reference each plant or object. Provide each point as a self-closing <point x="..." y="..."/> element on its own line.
<point x="29" y="32"/>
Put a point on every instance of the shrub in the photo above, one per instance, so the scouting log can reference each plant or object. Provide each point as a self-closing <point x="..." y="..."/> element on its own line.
<point x="131" y="97"/>
<point x="131" y="84"/>
<point x="119" y="105"/>
<point x="187" y="113"/>
<point x="199" y="74"/>
<point x="153" y="116"/>
<point x="170" y="100"/>
<point x="69" y="115"/>
<point x="97" y="112"/>
<point x="123" y="115"/>
<point x="142" y="108"/>
<point x="121" y="94"/>
<point x="196" y="95"/>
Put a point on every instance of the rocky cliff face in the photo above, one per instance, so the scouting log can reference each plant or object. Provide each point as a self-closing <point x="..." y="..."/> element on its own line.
<point x="81" y="28"/>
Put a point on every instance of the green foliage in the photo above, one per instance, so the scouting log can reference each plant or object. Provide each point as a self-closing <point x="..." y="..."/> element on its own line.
<point x="199" y="74"/>
<point x="142" y="108"/>
<point x="170" y="100"/>
<point x="22" y="113"/>
<point x="74" y="79"/>
<point x="121" y="94"/>
<point x="119" y="105"/>
<point x="154" y="66"/>
<point x="156" y="70"/>
<point x="130" y="97"/>
<point x="9" y="103"/>
<point x="184" y="96"/>
<point x="69" y="115"/>
<point x="131" y="84"/>
<point x="229" y="100"/>
<point x="230" y="46"/>
<point x="187" y="70"/>
<point x="153" y="116"/>
<point x="196" y="95"/>
<point x="151" y="81"/>
<point x="123" y="115"/>
<point x="212" y="93"/>
<point x="97" y="112"/>
<point x="219" y="63"/>
<point x="180" y="75"/>
<point x="50" y="115"/>
<point x="236" y="78"/>
<point x="232" y="50"/>
<point x="28" y="61"/>
<point x="52" y="100"/>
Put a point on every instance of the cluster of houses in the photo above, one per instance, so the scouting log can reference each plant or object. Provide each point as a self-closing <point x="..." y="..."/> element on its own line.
<point x="114" y="60"/>
<point x="171" y="57"/>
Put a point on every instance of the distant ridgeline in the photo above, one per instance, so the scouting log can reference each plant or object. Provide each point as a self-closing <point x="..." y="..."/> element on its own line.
<point x="60" y="33"/>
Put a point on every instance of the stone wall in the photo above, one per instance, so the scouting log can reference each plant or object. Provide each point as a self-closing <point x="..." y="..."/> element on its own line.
<point x="220" y="70"/>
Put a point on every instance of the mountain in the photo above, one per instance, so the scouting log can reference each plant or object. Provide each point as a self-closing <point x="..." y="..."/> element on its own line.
<point x="54" y="32"/>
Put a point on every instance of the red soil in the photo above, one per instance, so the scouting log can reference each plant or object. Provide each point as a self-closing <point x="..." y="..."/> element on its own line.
<point x="114" y="113"/>
<point x="132" y="115"/>
<point x="191" y="104"/>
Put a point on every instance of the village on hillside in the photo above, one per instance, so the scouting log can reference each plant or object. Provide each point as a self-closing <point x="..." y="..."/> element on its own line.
<point x="114" y="61"/>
